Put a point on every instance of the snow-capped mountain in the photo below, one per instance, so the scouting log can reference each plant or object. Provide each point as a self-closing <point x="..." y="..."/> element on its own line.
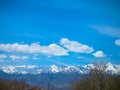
<point x="81" y="69"/>
<point x="112" y="68"/>
<point x="24" y="69"/>
<point x="54" y="69"/>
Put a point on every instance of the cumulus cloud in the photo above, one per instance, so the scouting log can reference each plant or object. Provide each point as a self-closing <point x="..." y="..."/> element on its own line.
<point x="51" y="49"/>
<point x="117" y="42"/>
<point x="75" y="46"/>
<point x="3" y="56"/>
<point x="99" y="54"/>
<point x="14" y="57"/>
<point x="55" y="50"/>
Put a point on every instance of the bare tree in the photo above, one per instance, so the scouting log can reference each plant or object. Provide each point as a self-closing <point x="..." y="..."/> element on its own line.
<point x="95" y="80"/>
<point x="98" y="75"/>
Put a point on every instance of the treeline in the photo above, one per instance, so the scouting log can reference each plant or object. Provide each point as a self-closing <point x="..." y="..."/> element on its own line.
<point x="6" y="84"/>
<point x="98" y="79"/>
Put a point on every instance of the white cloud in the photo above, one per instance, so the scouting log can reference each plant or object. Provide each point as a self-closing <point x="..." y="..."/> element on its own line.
<point x="3" y="56"/>
<point x="107" y="30"/>
<point x="75" y="46"/>
<point x="117" y="42"/>
<point x="51" y="49"/>
<point x="14" y="57"/>
<point x="54" y="49"/>
<point x="24" y="57"/>
<point x="99" y="54"/>
<point x="35" y="57"/>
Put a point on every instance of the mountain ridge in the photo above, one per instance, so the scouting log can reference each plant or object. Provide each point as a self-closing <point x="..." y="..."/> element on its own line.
<point x="33" y="69"/>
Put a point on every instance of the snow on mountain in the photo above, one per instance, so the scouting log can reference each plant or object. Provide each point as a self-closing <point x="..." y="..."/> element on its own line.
<point x="9" y="69"/>
<point x="32" y="69"/>
<point x="71" y="69"/>
<point x="112" y="68"/>
<point x="24" y="69"/>
<point x="54" y="69"/>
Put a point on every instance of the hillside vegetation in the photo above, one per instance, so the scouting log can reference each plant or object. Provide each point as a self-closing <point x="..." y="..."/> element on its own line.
<point x="6" y="84"/>
<point x="98" y="79"/>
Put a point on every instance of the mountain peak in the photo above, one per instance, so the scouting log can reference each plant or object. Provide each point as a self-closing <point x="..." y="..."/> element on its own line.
<point x="54" y="69"/>
<point x="81" y="69"/>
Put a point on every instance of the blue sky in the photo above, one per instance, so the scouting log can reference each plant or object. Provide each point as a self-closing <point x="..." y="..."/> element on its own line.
<point x="62" y="32"/>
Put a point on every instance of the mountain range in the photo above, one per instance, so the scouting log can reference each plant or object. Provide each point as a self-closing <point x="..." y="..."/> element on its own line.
<point x="59" y="77"/>
<point x="33" y="69"/>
